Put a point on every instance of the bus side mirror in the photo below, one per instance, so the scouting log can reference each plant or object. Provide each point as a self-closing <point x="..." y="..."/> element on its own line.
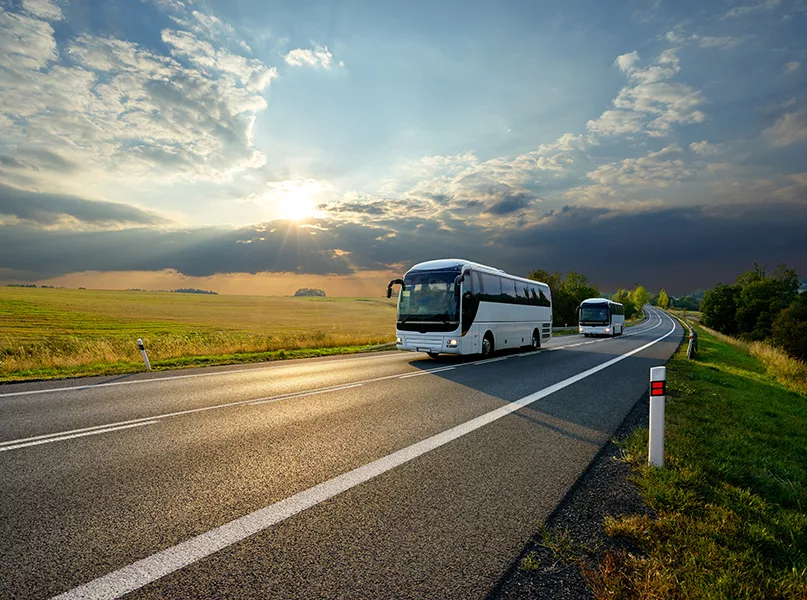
<point x="391" y="283"/>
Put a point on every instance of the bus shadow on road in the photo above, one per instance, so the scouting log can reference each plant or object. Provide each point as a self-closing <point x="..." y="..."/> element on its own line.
<point x="589" y="410"/>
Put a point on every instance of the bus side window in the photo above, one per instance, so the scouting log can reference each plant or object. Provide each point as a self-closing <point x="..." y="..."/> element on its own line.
<point x="508" y="291"/>
<point x="534" y="299"/>
<point x="544" y="301"/>
<point x="491" y="287"/>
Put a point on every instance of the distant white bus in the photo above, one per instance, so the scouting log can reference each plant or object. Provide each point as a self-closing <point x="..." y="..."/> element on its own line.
<point x="600" y="316"/>
<point x="456" y="306"/>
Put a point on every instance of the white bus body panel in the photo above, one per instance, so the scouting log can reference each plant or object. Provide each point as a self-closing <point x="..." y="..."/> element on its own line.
<point x="511" y="324"/>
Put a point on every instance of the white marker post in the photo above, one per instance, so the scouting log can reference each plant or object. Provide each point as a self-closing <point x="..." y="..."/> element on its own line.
<point x="143" y="353"/>
<point x="658" y="391"/>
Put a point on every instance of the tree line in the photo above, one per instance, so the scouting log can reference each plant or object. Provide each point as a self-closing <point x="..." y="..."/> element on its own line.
<point x="570" y="290"/>
<point x="761" y="306"/>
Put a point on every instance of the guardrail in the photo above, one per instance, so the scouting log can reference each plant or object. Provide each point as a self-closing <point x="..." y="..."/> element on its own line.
<point x="692" y="348"/>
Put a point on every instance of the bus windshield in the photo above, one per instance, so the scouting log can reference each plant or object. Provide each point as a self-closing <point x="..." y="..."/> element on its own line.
<point x="429" y="296"/>
<point x="597" y="313"/>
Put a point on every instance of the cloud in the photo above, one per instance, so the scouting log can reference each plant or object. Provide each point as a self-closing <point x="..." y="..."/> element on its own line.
<point x="626" y="62"/>
<point x="649" y="103"/>
<point x="656" y="169"/>
<point x="47" y="209"/>
<point x="792" y="66"/>
<point x="722" y="42"/>
<point x="747" y="9"/>
<point x="704" y="148"/>
<point x="116" y="107"/>
<point x="681" y="248"/>
<point x="319" y="56"/>
<point x="44" y="9"/>
<point x="788" y="129"/>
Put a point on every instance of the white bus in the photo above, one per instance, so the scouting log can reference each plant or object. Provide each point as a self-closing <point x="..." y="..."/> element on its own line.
<point x="455" y="306"/>
<point x="600" y="316"/>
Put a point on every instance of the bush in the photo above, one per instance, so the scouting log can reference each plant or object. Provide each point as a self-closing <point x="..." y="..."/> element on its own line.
<point x="789" y="330"/>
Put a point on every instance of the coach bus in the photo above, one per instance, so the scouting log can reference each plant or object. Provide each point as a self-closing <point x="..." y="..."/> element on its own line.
<point x="600" y="316"/>
<point x="456" y="306"/>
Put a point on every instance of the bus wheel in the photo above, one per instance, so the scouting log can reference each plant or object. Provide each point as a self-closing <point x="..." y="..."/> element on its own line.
<point x="536" y="340"/>
<point x="487" y="345"/>
<point x="433" y="354"/>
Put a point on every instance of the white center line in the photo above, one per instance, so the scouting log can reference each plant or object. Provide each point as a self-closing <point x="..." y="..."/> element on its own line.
<point x="440" y="370"/>
<point x="74" y="435"/>
<point x="156" y="566"/>
<point x="300" y="395"/>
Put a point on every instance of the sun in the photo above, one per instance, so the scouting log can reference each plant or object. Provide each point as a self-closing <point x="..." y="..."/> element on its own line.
<point x="296" y="207"/>
<point x="298" y="199"/>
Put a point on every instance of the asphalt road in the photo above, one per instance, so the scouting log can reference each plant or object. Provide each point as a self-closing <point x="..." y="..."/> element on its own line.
<point x="376" y="476"/>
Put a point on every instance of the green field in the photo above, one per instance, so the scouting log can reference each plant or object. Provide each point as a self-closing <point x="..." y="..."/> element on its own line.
<point x="47" y="333"/>
<point x="729" y="507"/>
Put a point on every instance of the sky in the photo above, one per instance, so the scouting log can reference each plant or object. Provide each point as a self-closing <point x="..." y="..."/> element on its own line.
<point x="252" y="146"/>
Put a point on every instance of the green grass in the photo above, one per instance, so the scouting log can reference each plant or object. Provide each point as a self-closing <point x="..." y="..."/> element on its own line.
<point x="730" y="503"/>
<point x="47" y="333"/>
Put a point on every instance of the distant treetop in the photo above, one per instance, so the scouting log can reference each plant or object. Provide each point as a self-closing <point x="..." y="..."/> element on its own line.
<point x="193" y="291"/>
<point x="310" y="292"/>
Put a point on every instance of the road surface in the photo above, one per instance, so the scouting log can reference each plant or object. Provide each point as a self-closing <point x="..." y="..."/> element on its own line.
<point x="385" y="475"/>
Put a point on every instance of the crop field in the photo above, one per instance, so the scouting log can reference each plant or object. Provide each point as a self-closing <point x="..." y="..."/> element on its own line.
<point x="46" y="333"/>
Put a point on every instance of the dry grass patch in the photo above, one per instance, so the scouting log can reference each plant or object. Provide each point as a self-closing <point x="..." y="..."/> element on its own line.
<point x="57" y="333"/>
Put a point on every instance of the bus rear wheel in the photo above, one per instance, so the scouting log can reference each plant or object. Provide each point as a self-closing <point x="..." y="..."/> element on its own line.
<point x="536" y="340"/>
<point x="487" y="345"/>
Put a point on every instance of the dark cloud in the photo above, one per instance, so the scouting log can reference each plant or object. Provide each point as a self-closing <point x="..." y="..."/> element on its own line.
<point x="511" y="203"/>
<point x="37" y="159"/>
<point x="49" y="209"/>
<point x="364" y="208"/>
<point x="678" y="248"/>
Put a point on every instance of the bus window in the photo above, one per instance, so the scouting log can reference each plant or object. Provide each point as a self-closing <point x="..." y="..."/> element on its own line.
<point x="508" y="291"/>
<point x="491" y="287"/>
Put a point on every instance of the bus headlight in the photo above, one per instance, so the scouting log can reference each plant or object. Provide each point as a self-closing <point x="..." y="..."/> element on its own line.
<point x="398" y="341"/>
<point x="452" y="343"/>
<point x="607" y="330"/>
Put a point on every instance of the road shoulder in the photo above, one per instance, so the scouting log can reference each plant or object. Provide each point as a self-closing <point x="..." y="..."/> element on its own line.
<point x="573" y="540"/>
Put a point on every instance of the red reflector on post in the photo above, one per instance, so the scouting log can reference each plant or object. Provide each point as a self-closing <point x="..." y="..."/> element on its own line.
<point x="657" y="388"/>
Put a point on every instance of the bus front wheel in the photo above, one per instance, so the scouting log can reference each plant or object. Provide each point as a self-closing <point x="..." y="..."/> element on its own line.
<point x="487" y="345"/>
<point x="433" y="355"/>
<point x="536" y="340"/>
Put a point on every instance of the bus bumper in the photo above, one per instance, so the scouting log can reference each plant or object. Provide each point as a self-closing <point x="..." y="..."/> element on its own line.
<point x="432" y="344"/>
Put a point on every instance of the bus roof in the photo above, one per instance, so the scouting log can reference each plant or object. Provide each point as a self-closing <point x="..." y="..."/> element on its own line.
<point x="454" y="263"/>
<point x="598" y="301"/>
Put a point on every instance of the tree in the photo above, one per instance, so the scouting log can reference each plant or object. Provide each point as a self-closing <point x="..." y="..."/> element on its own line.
<point x="624" y="298"/>
<point x="789" y="330"/>
<point x="567" y="293"/>
<point x="663" y="299"/>
<point x="762" y="297"/>
<point x="719" y="308"/>
<point x="639" y="297"/>
<point x="309" y="292"/>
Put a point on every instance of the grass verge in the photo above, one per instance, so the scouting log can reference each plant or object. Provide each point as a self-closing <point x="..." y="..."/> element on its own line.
<point x="729" y="507"/>
<point x="124" y="367"/>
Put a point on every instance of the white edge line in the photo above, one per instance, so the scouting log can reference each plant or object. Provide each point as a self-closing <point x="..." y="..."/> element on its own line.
<point x="156" y="566"/>
<point x="75" y="435"/>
